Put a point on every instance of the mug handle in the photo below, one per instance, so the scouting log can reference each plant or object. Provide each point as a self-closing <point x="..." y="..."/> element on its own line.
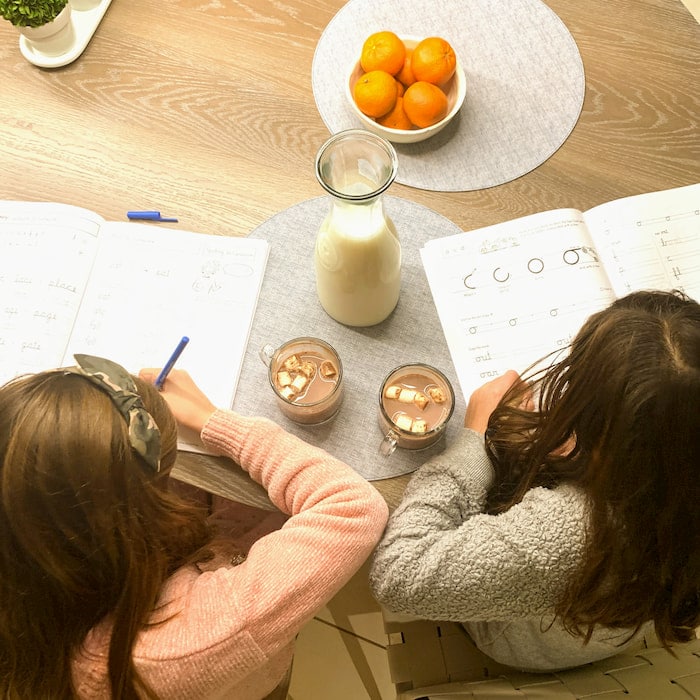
<point x="388" y="444"/>
<point x="266" y="353"/>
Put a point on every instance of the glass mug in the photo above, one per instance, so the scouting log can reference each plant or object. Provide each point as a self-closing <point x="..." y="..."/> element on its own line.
<point x="416" y="402"/>
<point x="306" y="375"/>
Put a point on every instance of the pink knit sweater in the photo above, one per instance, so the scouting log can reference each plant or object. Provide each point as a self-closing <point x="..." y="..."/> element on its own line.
<point x="228" y="632"/>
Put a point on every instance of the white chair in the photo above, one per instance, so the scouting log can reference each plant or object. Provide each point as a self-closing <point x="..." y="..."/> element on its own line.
<point x="435" y="660"/>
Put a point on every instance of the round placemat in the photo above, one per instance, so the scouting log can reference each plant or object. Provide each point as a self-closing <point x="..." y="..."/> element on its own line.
<point x="288" y="307"/>
<point x="525" y="85"/>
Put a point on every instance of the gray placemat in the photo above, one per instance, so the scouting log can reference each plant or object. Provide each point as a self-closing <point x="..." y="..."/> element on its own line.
<point x="525" y="85"/>
<point x="288" y="307"/>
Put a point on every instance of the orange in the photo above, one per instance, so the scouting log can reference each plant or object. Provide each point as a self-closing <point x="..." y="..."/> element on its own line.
<point x="424" y="104"/>
<point x="396" y="119"/>
<point x="383" y="51"/>
<point x="405" y="75"/>
<point x="375" y="93"/>
<point x="433" y="61"/>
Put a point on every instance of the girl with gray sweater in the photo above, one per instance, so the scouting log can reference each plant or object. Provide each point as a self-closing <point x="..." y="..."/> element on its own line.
<point x="563" y="525"/>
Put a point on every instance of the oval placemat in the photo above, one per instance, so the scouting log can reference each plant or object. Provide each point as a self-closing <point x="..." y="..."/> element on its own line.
<point x="525" y="85"/>
<point x="288" y="307"/>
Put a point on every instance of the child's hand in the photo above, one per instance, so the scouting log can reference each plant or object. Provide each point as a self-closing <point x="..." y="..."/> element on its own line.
<point x="188" y="403"/>
<point x="485" y="399"/>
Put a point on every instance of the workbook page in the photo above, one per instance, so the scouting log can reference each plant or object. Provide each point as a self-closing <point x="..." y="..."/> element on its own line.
<point x="46" y="254"/>
<point x="650" y="241"/>
<point x="151" y="286"/>
<point x="509" y="294"/>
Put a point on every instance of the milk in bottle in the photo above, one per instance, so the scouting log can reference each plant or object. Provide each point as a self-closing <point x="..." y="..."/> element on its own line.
<point x="358" y="254"/>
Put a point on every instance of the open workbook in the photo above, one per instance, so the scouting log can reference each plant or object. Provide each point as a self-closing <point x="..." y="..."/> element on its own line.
<point x="71" y="282"/>
<point x="509" y="294"/>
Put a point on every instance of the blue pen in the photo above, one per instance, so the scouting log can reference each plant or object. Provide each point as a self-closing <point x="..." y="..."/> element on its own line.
<point x="148" y="216"/>
<point x="160" y="379"/>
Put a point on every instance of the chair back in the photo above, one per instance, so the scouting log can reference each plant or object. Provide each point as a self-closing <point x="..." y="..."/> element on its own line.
<point x="435" y="660"/>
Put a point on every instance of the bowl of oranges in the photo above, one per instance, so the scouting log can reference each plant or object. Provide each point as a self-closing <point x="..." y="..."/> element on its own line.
<point x="406" y="89"/>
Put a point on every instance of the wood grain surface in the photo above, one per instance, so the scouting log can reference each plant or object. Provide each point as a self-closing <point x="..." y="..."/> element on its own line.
<point x="204" y="110"/>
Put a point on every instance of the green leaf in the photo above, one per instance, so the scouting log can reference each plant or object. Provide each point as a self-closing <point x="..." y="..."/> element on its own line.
<point x="31" y="13"/>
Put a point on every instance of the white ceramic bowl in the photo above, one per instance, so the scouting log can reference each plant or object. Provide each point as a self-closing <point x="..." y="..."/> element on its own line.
<point x="455" y="89"/>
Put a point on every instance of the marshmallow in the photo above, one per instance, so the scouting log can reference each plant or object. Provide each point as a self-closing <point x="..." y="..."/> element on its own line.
<point x="437" y="394"/>
<point x="328" y="369"/>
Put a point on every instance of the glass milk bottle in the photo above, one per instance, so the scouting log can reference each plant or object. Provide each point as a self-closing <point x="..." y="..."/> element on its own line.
<point x="358" y="254"/>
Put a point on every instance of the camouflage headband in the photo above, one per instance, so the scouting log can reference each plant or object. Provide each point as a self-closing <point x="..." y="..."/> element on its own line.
<point x="118" y="384"/>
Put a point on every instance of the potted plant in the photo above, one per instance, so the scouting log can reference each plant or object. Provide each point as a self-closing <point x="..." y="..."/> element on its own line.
<point x="36" y="19"/>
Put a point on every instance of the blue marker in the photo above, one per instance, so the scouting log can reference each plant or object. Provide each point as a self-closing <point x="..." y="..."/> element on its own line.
<point x="160" y="379"/>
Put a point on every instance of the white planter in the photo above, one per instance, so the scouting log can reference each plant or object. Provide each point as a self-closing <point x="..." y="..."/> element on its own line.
<point x="45" y="31"/>
<point x="68" y="43"/>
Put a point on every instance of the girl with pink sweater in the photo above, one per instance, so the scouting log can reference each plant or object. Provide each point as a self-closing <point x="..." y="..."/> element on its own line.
<point x="113" y="586"/>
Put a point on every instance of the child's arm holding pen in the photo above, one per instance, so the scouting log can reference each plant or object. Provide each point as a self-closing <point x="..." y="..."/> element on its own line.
<point x="160" y="379"/>
<point x="190" y="406"/>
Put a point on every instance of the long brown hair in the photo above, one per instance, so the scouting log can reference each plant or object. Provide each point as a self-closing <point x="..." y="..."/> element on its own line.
<point x="87" y="530"/>
<point x="620" y="417"/>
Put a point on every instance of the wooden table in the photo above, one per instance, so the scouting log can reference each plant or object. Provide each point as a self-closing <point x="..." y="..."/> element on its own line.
<point x="205" y="111"/>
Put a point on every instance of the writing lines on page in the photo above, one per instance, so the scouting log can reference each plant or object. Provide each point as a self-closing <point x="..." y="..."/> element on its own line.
<point x="650" y="241"/>
<point x="510" y="295"/>
<point x="44" y="267"/>
<point x="668" y="258"/>
<point x="161" y="284"/>
<point x="490" y="340"/>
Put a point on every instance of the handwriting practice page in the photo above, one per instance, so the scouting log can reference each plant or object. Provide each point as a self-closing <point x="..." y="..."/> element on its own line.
<point x="70" y="282"/>
<point x="45" y="261"/>
<point x="650" y="241"/>
<point x="507" y="295"/>
<point x="156" y="285"/>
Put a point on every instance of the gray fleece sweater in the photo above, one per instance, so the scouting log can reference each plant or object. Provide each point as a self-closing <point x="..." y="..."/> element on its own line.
<point x="443" y="558"/>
